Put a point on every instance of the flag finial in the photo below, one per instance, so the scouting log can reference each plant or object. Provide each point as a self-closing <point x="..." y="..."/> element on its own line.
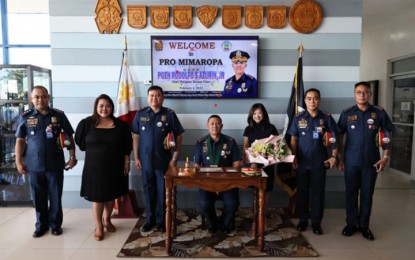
<point x="125" y="42"/>
<point x="301" y="49"/>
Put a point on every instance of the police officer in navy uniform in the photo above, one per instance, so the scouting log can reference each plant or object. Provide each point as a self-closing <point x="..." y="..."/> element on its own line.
<point x="241" y="84"/>
<point x="150" y="128"/>
<point x="217" y="150"/>
<point x="38" y="131"/>
<point x="361" y="161"/>
<point x="313" y="141"/>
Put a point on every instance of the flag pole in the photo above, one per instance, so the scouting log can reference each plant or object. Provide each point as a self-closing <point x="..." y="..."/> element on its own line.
<point x="300" y="50"/>
<point x="125" y="42"/>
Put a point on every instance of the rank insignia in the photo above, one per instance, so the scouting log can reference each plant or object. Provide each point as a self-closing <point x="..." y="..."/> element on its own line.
<point x="302" y="123"/>
<point x="144" y="119"/>
<point x="352" y="118"/>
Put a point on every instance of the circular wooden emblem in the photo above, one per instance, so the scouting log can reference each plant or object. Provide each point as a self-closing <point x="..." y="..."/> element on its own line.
<point x="305" y="16"/>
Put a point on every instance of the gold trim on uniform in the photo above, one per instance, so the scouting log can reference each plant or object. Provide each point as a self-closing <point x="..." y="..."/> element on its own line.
<point x="352" y="118"/>
<point x="302" y="123"/>
<point x="144" y="119"/>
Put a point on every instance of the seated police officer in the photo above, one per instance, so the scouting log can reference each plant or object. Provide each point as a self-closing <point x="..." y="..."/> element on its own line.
<point x="217" y="150"/>
<point x="240" y="84"/>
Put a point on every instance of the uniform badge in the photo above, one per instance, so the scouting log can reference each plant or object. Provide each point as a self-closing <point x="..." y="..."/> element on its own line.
<point x="225" y="147"/>
<point x="159" y="124"/>
<point x="352" y="118"/>
<point x="144" y="119"/>
<point x="370" y="121"/>
<point x="322" y="122"/>
<point x="163" y="118"/>
<point x="319" y="129"/>
<point x="32" y="121"/>
<point x="244" y="89"/>
<point x="302" y="123"/>
<point x="239" y="90"/>
<point x="53" y="120"/>
<point x="222" y="153"/>
<point x="373" y="115"/>
<point x="352" y="127"/>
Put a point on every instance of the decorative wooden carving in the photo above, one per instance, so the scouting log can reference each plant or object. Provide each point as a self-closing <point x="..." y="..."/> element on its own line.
<point x="277" y="16"/>
<point x="231" y="16"/>
<point x="305" y="16"/>
<point x="160" y="16"/>
<point x="108" y="17"/>
<point x="254" y="16"/>
<point x="207" y="14"/>
<point x="137" y="16"/>
<point x="182" y="16"/>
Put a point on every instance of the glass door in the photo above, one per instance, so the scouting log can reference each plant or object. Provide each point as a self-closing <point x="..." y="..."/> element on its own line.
<point x="403" y="120"/>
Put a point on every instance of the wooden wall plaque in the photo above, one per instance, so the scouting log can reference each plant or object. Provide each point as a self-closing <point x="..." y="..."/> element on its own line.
<point x="231" y="16"/>
<point x="137" y="16"/>
<point x="183" y="16"/>
<point x="254" y="16"/>
<point x="305" y="16"/>
<point x="108" y="16"/>
<point x="160" y="16"/>
<point x="277" y="16"/>
<point x="207" y="14"/>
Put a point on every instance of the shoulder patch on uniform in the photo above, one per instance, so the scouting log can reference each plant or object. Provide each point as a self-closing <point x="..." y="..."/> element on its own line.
<point x="202" y="139"/>
<point x="348" y="108"/>
<point x="250" y="76"/>
<point x="58" y="110"/>
<point x="24" y="113"/>
<point x="300" y="113"/>
<point x="378" y="107"/>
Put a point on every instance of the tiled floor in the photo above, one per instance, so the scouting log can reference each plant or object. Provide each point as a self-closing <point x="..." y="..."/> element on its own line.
<point x="392" y="222"/>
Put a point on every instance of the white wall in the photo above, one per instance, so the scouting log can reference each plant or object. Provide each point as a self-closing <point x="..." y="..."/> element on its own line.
<point x="385" y="37"/>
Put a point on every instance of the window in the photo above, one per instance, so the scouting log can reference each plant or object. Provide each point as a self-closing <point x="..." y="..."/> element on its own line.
<point x="26" y="32"/>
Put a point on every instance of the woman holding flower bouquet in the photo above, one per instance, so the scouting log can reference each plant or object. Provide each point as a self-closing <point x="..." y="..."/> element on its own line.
<point x="259" y="127"/>
<point x="313" y="133"/>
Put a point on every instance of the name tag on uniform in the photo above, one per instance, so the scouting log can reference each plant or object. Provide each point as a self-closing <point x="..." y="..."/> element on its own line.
<point x="315" y="135"/>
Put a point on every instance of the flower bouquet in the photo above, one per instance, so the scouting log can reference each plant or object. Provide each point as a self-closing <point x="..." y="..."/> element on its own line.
<point x="269" y="151"/>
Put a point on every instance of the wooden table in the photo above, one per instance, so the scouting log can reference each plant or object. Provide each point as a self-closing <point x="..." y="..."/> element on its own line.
<point x="215" y="182"/>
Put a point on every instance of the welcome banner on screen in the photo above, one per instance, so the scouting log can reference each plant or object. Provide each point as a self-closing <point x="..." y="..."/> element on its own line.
<point x="201" y="67"/>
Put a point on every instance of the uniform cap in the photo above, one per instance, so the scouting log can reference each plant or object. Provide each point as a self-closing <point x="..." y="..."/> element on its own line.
<point x="239" y="56"/>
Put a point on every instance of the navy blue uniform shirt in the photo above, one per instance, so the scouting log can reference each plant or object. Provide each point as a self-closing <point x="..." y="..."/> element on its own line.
<point x="42" y="132"/>
<point x="229" y="152"/>
<point x="245" y="86"/>
<point x="361" y="128"/>
<point x="311" y="150"/>
<point x="153" y="129"/>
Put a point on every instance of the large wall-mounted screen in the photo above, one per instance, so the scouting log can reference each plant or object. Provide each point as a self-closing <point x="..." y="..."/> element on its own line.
<point x="205" y="66"/>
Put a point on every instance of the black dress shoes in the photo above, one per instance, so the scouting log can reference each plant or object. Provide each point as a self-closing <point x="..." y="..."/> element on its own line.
<point x="317" y="230"/>
<point x="302" y="226"/>
<point x="161" y="228"/>
<point x="57" y="231"/>
<point x="349" y="230"/>
<point x="148" y="227"/>
<point x="39" y="232"/>
<point x="366" y="233"/>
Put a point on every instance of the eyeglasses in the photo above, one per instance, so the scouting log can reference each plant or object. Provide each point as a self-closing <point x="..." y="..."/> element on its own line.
<point x="361" y="93"/>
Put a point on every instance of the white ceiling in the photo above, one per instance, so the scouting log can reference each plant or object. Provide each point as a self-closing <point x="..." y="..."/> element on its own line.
<point x="383" y="7"/>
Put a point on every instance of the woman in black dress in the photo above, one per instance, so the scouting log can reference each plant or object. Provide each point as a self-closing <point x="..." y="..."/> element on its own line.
<point x="107" y="143"/>
<point x="259" y="127"/>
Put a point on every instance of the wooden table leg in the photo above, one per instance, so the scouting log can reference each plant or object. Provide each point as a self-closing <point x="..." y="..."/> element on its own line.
<point x="261" y="220"/>
<point x="168" y="219"/>
<point x="255" y="213"/>
<point x="173" y="212"/>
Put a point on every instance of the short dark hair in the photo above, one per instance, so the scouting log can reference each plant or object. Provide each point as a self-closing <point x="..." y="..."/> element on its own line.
<point x="41" y="87"/>
<point x="215" y="116"/>
<point x="155" y="88"/>
<point x="265" y="120"/>
<point x="95" y="116"/>
<point x="312" y="90"/>
<point x="362" y="83"/>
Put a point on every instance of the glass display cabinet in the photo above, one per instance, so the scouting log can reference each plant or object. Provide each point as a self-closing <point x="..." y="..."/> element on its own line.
<point x="16" y="83"/>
